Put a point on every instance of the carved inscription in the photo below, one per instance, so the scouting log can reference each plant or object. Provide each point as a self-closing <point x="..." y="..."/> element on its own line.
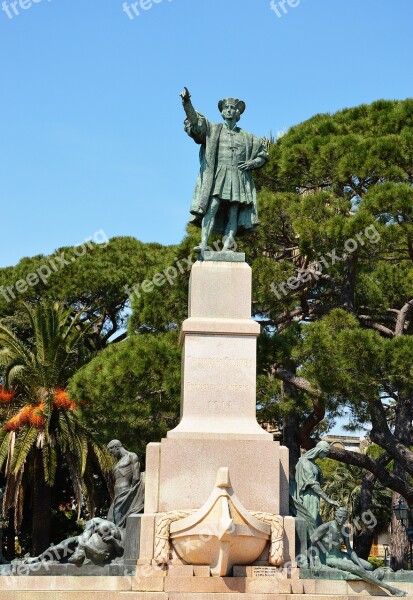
<point x="221" y="379"/>
<point x="219" y="405"/>
<point x="264" y="571"/>
<point x="220" y="362"/>
<point x="220" y="387"/>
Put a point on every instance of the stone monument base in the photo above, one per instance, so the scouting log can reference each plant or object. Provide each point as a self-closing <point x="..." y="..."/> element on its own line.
<point x="255" y="586"/>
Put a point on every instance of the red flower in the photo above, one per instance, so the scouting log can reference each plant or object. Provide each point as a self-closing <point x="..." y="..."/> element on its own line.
<point x="22" y="418"/>
<point x="36" y="417"/>
<point x="62" y="400"/>
<point x="6" y="396"/>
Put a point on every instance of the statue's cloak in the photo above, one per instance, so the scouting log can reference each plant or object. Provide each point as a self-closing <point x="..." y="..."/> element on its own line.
<point x="207" y="135"/>
<point x="306" y="501"/>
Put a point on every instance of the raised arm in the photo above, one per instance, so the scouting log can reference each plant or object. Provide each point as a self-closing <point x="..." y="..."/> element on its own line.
<point x="190" y="111"/>
<point x="195" y="123"/>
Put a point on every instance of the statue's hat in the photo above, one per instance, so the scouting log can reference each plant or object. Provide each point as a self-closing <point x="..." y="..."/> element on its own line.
<point x="240" y="104"/>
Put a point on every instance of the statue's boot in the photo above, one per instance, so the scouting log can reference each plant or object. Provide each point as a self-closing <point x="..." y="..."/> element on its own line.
<point x="229" y="243"/>
<point x="203" y="245"/>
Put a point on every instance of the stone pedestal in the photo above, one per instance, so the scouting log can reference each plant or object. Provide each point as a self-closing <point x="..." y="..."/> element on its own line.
<point x="219" y="356"/>
<point x="218" y="426"/>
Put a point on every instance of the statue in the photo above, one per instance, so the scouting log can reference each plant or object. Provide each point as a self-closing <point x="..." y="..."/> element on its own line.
<point x="327" y="540"/>
<point x="129" y="487"/>
<point x="306" y="489"/>
<point x="225" y="198"/>
<point x="100" y="543"/>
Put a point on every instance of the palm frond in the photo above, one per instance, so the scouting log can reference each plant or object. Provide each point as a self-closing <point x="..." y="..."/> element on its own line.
<point x="49" y="463"/>
<point x="25" y="440"/>
<point x="4" y="446"/>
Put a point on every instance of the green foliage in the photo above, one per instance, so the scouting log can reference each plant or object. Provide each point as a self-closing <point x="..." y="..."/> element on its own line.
<point x="93" y="282"/>
<point x="165" y="306"/>
<point x="343" y="483"/>
<point x="131" y="390"/>
<point x="376" y="562"/>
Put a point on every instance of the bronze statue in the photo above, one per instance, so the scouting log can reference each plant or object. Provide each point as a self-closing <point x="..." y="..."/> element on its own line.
<point x="225" y="199"/>
<point x="100" y="543"/>
<point x="129" y="487"/>
<point x="307" y="492"/>
<point x="327" y="540"/>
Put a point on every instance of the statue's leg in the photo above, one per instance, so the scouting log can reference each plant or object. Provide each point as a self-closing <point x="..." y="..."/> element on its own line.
<point x="232" y="227"/>
<point x="368" y="566"/>
<point x="208" y="223"/>
<point x="348" y="565"/>
<point x="55" y="553"/>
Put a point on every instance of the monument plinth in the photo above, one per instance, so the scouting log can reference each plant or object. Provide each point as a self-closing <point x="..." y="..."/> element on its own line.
<point x="219" y="356"/>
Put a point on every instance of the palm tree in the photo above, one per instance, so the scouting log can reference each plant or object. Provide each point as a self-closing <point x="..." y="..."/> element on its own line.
<point x="42" y="428"/>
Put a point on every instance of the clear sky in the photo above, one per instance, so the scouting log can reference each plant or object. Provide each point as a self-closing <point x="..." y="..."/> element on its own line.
<point x="91" y="120"/>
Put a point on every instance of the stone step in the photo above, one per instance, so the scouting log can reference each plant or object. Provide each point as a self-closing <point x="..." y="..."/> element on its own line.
<point x="187" y="588"/>
<point x="117" y="595"/>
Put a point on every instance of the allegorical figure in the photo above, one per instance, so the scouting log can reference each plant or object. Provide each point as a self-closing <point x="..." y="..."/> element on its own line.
<point x="307" y="490"/>
<point x="225" y="199"/>
<point x="101" y="543"/>
<point x="327" y="541"/>
<point x="129" y="487"/>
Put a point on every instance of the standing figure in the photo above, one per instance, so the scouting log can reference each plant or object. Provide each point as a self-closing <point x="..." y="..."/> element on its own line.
<point x="307" y="491"/>
<point x="225" y="199"/>
<point x="129" y="488"/>
<point x="327" y="540"/>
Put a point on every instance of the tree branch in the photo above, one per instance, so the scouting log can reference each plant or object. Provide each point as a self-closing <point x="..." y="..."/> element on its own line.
<point x="381" y="435"/>
<point x="377" y="326"/>
<point x="402" y="316"/>
<point x="374" y="466"/>
<point x="297" y="381"/>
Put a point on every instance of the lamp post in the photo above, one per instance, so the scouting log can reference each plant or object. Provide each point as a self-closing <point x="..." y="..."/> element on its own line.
<point x="402" y="512"/>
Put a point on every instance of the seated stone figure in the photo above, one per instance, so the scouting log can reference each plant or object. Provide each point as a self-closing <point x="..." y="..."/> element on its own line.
<point x="327" y="540"/>
<point x="101" y="542"/>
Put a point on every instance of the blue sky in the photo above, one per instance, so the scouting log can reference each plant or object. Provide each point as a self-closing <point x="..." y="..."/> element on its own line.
<point x="91" y="121"/>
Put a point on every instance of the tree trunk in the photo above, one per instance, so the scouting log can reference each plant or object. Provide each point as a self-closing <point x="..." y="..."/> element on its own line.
<point x="42" y="501"/>
<point x="10" y="534"/>
<point x="291" y="430"/>
<point x="363" y="539"/>
<point x="399" y="544"/>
